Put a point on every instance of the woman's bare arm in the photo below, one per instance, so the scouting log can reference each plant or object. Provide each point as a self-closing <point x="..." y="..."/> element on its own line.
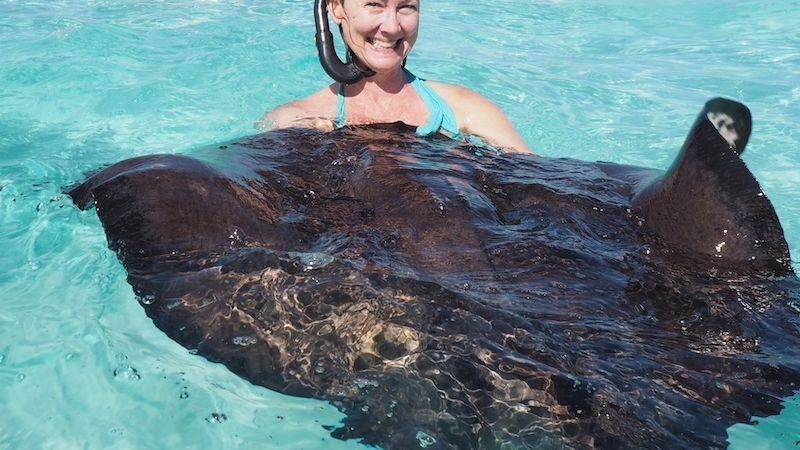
<point x="314" y="111"/>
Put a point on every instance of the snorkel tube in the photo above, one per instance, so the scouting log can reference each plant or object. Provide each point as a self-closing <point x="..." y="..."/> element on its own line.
<point x="347" y="73"/>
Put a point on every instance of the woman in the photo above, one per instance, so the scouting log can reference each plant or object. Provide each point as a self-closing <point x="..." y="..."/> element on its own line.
<point x="379" y="35"/>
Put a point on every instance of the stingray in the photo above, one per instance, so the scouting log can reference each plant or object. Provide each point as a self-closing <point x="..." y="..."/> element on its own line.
<point x="446" y="295"/>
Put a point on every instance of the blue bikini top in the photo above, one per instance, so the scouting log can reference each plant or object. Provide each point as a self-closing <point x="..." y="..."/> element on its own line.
<point x="440" y="116"/>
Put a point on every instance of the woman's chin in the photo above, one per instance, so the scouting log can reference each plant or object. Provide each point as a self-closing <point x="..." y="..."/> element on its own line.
<point x="384" y="64"/>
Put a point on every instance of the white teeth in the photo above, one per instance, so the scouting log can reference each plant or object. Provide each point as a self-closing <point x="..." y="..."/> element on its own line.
<point x="383" y="44"/>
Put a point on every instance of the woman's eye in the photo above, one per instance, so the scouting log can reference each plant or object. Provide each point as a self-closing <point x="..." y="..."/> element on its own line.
<point x="410" y="5"/>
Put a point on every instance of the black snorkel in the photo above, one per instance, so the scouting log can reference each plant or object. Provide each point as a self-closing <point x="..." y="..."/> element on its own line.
<point x="347" y="73"/>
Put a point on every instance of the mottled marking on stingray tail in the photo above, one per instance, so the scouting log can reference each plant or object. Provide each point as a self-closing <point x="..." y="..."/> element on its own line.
<point x="732" y="121"/>
<point x="709" y="203"/>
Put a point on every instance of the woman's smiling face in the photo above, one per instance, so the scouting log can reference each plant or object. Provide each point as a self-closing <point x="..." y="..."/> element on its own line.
<point x="379" y="32"/>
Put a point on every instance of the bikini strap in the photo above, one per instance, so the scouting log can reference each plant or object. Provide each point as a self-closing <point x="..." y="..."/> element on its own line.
<point x="440" y="116"/>
<point x="339" y="122"/>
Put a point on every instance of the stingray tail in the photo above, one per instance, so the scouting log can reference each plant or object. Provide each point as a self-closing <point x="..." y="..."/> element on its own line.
<point x="709" y="203"/>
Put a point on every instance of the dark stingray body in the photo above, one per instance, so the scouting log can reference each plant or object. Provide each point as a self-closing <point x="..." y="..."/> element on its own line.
<point x="438" y="292"/>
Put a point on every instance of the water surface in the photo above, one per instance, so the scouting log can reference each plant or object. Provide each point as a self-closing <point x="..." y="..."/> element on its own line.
<point x="85" y="84"/>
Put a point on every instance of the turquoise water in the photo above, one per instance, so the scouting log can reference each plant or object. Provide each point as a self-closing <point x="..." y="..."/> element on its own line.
<point x="87" y="83"/>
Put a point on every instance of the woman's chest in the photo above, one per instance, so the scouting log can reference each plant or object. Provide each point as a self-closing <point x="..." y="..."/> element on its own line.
<point x="407" y="108"/>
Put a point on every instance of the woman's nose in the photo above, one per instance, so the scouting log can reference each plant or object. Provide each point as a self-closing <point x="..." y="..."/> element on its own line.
<point x="390" y="23"/>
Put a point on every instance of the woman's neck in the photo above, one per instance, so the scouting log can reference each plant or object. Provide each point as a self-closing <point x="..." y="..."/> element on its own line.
<point x="384" y="98"/>
<point x="380" y="84"/>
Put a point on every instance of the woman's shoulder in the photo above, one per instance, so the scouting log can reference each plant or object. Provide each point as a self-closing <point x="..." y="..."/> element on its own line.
<point x="462" y="100"/>
<point x="453" y="93"/>
<point x="307" y="111"/>
<point x="476" y="114"/>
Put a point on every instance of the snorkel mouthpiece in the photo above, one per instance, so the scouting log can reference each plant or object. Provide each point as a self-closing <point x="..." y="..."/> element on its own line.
<point x="347" y="73"/>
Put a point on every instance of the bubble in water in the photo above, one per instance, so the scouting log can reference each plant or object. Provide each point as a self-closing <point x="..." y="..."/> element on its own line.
<point x="424" y="439"/>
<point x="21" y="377"/>
<point x="2" y="359"/>
<point x="216" y="418"/>
<point x="244" y="341"/>
<point x="126" y="373"/>
<point x="319" y="367"/>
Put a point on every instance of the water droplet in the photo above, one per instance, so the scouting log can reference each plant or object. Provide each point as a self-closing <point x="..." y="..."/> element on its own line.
<point x="424" y="439"/>
<point x="363" y="383"/>
<point x="312" y="260"/>
<point x="146" y="299"/>
<point x="235" y="237"/>
<point x="244" y="341"/>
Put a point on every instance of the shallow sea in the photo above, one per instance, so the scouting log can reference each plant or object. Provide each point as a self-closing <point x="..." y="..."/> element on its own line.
<point x="84" y="83"/>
